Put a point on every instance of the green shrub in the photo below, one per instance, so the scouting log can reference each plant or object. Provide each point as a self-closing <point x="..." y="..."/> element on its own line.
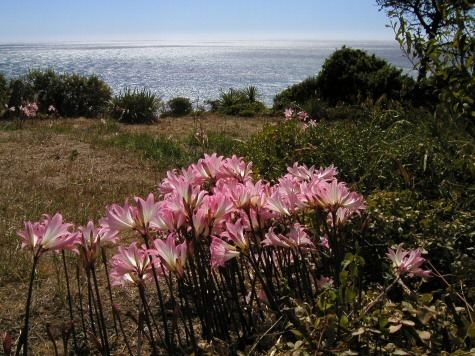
<point x="179" y="106"/>
<point x="135" y="106"/>
<point x="352" y="76"/>
<point x="416" y="172"/>
<point x="348" y="76"/>
<point x="3" y="92"/>
<point x="20" y="91"/>
<point x="240" y="102"/>
<point x="84" y="96"/>
<point x="49" y="89"/>
<point x="71" y="94"/>
<point x="299" y="94"/>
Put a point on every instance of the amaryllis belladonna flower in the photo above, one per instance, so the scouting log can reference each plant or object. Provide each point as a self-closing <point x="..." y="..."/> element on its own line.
<point x="288" y="114"/>
<point x="131" y="265"/>
<point x="48" y="234"/>
<point x="235" y="233"/>
<point x="172" y="255"/>
<point x="407" y="262"/>
<point x="90" y="240"/>
<point x="221" y="252"/>
<point x="296" y="238"/>
<point x="235" y="167"/>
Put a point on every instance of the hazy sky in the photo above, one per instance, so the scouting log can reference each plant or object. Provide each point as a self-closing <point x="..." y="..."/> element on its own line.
<point x="82" y="20"/>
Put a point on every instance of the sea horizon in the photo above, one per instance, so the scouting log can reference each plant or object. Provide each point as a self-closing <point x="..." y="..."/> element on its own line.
<point x="198" y="69"/>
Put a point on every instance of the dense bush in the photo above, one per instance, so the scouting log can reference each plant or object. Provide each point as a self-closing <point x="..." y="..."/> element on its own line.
<point x="84" y="96"/>
<point x="72" y="95"/>
<point x="384" y="155"/>
<point x="352" y="76"/>
<point x="348" y="76"/>
<point x="135" y="106"/>
<point x="179" y="106"/>
<point x="3" y="92"/>
<point x="240" y="102"/>
<point x="299" y="93"/>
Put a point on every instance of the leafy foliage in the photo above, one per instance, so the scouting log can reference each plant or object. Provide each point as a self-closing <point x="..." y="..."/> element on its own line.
<point x="348" y="76"/>
<point x="438" y="36"/>
<point x="3" y="92"/>
<point x="240" y="102"/>
<point x="135" y="106"/>
<point x="179" y="106"/>
<point x="72" y="95"/>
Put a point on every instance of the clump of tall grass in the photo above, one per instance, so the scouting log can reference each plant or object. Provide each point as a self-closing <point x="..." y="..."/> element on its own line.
<point x="135" y="106"/>
<point x="241" y="102"/>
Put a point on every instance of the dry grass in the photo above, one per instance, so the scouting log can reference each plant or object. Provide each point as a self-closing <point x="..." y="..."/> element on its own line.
<point x="75" y="167"/>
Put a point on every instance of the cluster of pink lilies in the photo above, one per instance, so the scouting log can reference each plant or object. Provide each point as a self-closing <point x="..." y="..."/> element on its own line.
<point x="225" y="245"/>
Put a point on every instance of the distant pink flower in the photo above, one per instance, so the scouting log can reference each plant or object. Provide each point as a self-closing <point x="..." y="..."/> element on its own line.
<point x="173" y="256"/>
<point x="48" y="234"/>
<point x="407" y="262"/>
<point x="324" y="242"/>
<point x="324" y="282"/>
<point x="221" y="252"/>
<point x="51" y="109"/>
<point x="29" y="109"/>
<point x="131" y="265"/>
<point x="12" y="109"/>
<point x="302" y="115"/>
<point x="288" y="114"/>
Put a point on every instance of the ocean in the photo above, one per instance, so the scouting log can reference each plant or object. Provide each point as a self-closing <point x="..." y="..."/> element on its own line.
<point x="198" y="70"/>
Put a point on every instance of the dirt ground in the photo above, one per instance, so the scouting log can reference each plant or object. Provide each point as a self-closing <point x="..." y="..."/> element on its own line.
<point x="45" y="172"/>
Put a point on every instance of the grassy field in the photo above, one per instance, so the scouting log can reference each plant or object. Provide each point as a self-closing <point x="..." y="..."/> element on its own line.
<point x="77" y="167"/>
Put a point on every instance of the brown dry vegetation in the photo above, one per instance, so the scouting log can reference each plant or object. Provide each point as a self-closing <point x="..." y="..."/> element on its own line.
<point x="72" y="167"/>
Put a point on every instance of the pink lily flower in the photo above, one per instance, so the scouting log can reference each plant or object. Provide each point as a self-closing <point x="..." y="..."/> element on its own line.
<point x="120" y="218"/>
<point x="221" y="252"/>
<point x="91" y="239"/>
<point x="235" y="232"/>
<point x="235" y="167"/>
<point x="146" y="211"/>
<point x="49" y="234"/>
<point x="173" y="256"/>
<point x="296" y="238"/>
<point x="279" y="204"/>
<point x="288" y="114"/>
<point x="408" y="262"/>
<point x="131" y="265"/>
<point x="324" y="282"/>
<point x="209" y="167"/>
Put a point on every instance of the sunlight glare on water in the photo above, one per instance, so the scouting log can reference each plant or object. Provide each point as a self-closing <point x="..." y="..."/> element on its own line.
<point x="198" y="70"/>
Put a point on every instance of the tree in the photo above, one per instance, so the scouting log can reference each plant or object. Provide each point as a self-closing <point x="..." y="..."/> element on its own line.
<point x="438" y="36"/>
